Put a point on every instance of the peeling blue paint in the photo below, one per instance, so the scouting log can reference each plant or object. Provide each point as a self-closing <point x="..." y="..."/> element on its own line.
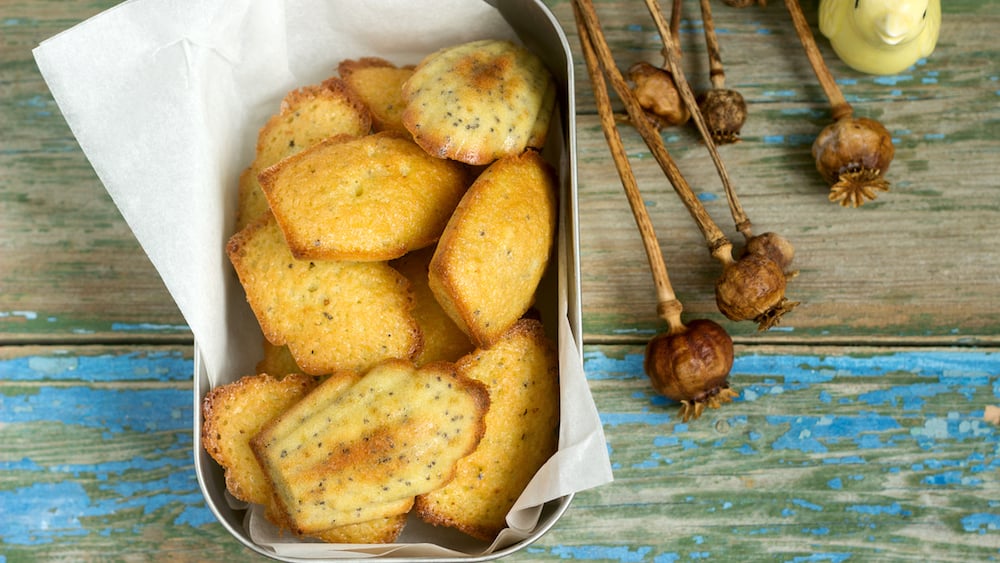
<point x="599" y="367"/>
<point x="806" y="504"/>
<point x="622" y="554"/>
<point x="808" y="112"/>
<point x="954" y="426"/>
<point x="808" y="433"/>
<point x="844" y="460"/>
<point x="832" y="557"/>
<point x="793" y="140"/>
<point x="42" y="513"/>
<point x="893" y="509"/>
<point x="952" y="479"/>
<point x="910" y="397"/>
<point x="818" y="369"/>
<point x="665" y="441"/>
<point x="112" y="410"/>
<point x="967" y="368"/>
<point x="153" y="366"/>
<point x="892" y="80"/>
<point x="981" y="523"/>
<point x="617" y="419"/>
<point x="954" y="374"/>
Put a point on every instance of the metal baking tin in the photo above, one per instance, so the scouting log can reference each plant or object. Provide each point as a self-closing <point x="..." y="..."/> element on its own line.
<point x="539" y="30"/>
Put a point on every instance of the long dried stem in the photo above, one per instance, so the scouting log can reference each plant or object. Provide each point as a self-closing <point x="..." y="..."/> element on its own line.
<point x="718" y="244"/>
<point x="668" y="307"/>
<point x="839" y="106"/>
<point x="689" y="364"/>
<point x="670" y="51"/>
<point x="716" y="74"/>
<point x="752" y="287"/>
<point x="675" y="21"/>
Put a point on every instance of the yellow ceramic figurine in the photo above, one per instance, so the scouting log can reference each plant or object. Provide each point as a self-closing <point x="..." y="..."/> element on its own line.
<point x="880" y="36"/>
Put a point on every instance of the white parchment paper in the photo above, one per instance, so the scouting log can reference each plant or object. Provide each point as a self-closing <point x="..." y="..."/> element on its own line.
<point x="165" y="98"/>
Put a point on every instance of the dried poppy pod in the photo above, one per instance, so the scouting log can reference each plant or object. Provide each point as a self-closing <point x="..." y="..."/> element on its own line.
<point x="725" y="112"/>
<point x="657" y="93"/>
<point x="774" y="246"/>
<point x="853" y="155"/>
<point x="688" y="363"/>
<point x="691" y="365"/>
<point x="753" y="287"/>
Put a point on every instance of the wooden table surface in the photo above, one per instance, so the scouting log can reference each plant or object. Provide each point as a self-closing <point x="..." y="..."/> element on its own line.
<point x="860" y="432"/>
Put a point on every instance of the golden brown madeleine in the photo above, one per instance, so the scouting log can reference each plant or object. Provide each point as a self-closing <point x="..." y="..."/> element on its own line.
<point x="379" y="84"/>
<point x="343" y="456"/>
<point x="363" y="198"/>
<point x="306" y="116"/>
<point x="521" y="372"/>
<point x="496" y="247"/>
<point x="332" y="315"/>
<point x="443" y="339"/>
<point x="251" y="203"/>
<point x="233" y="413"/>
<point x="479" y="101"/>
<point x="379" y="530"/>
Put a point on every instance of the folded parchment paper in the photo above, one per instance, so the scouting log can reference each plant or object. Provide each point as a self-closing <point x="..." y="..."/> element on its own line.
<point x="165" y="98"/>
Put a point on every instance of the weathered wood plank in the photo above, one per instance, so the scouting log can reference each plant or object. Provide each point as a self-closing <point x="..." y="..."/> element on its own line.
<point x="917" y="265"/>
<point x="96" y="460"/>
<point x="71" y="268"/>
<point x="829" y="454"/>
<point x="867" y="453"/>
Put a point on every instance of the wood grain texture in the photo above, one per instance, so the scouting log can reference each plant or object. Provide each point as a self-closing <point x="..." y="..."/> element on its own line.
<point x="96" y="459"/>
<point x="840" y="453"/>
<point x="829" y="454"/>
<point x="859" y="432"/>
<point x="70" y="268"/>
<point x="918" y="264"/>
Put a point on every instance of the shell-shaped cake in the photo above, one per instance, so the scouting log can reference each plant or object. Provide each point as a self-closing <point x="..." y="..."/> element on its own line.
<point x="479" y="101"/>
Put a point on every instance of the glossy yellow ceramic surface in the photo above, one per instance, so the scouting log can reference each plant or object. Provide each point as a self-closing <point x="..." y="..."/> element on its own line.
<point x="881" y="36"/>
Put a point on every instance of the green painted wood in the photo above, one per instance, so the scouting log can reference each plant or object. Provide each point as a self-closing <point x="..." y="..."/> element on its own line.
<point x="858" y="433"/>
<point x="70" y="268"/>
<point x="915" y="265"/>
